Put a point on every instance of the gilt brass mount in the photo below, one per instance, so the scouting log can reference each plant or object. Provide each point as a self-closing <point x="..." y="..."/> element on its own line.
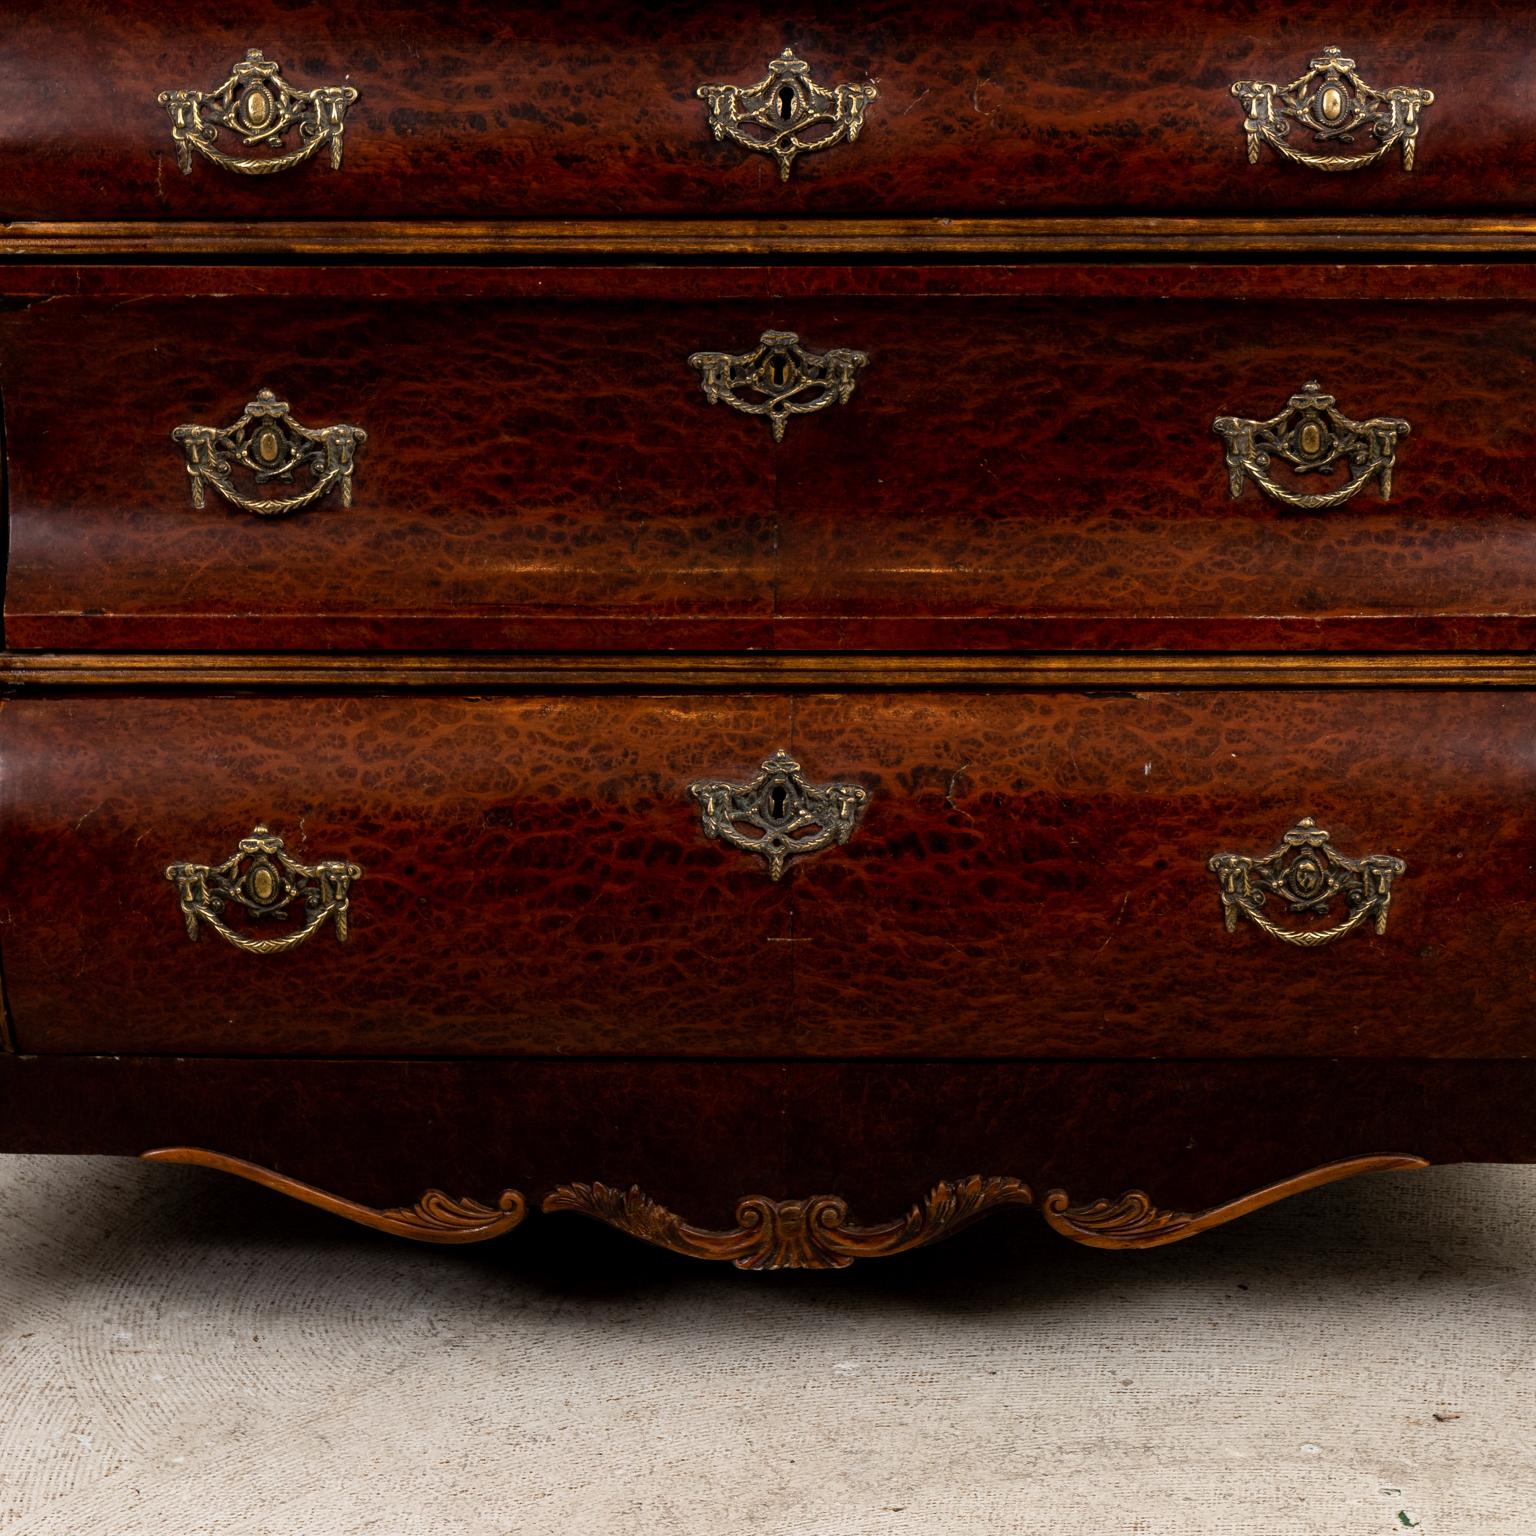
<point x="1306" y="875"/>
<point x="256" y="104"/>
<point x="778" y="815"/>
<point x="269" y="443"/>
<point x="1336" y="105"/>
<point x="263" y="879"/>
<point x="1313" y="436"/>
<point x="786" y="113"/>
<point x="792" y="380"/>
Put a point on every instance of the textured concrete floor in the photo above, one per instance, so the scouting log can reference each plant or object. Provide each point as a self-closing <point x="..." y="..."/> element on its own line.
<point x="182" y="1354"/>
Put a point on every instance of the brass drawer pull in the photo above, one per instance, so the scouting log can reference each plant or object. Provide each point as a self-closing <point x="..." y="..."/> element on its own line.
<point x="789" y="817"/>
<point x="1336" y="104"/>
<point x="1313" y="437"/>
<point x="271" y="445"/>
<point x="1306" y="874"/>
<point x="792" y="380"/>
<point x="263" y="879"/>
<point x="259" y="106"/>
<point x="786" y="113"/>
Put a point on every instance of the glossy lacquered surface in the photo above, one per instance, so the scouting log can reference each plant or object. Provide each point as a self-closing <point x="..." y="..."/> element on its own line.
<point x="590" y="108"/>
<point x="1027" y="460"/>
<point x="1029" y="878"/>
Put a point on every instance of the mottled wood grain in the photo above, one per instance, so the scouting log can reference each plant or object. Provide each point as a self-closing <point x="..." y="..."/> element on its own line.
<point x="482" y="110"/>
<point x="1029" y="878"/>
<point x="1028" y="461"/>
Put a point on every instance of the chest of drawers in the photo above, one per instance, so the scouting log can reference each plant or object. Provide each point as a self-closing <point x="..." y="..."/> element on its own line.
<point x="778" y="632"/>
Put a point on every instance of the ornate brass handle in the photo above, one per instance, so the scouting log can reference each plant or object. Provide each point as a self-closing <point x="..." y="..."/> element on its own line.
<point x="778" y="815"/>
<point x="262" y="878"/>
<point x="257" y="104"/>
<point x="793" y="380"/>
<point x="1307" y="874"/>
<point x="1335" y="103"/>
<point x="1312" y="436"/>
<point x="775" y="116"/>
<point x="272" y="446"/>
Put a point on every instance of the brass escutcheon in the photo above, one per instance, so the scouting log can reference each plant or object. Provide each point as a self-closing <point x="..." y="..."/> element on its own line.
<point x="1314" y="437"/>
<point x="790" y="379"/>
<point x="1335" y="104"/>
<point x="1306" y="875"/>
<point x="263" y="879"/>
<point x="778" y="815"/>
<point x="261" y="108"/>
<point x="271" y="445"/>
<point x="786" y="113"/>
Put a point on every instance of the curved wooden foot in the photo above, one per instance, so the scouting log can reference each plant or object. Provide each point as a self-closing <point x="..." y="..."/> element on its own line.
<point x="816" y="1233"/>
<point x="435" y="1218"/>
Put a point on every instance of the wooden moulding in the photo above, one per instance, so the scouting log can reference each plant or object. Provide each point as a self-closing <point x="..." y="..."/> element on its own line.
<point x="814" y="1233"/>
<point x="43" y="240"/>
<point x="536" y="673"/>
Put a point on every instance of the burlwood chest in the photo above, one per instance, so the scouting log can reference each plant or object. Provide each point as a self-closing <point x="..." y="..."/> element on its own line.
<point x="780" y="629"/>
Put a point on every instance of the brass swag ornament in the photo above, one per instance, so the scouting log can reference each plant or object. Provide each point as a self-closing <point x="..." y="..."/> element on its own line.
<point x="786" y="113"/>
<point x="266" y="881"/>
<point x="1313" y="436"/>
<point x="259" y="106"/>
<point x="1335" y="104"/>
<point x="269" y="443"/>
<point x="1306" y="874"/>
<point x="788" y="818"/>
<point x="793" y="380"/>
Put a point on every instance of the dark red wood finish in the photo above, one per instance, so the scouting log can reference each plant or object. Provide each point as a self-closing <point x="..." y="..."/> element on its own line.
<point x="698" y="1136"/>
<point x="589" y="108"/>
<point x="1028" y="461"/>
<point x="1030" y="877"/>
<point x="534" y="879"/>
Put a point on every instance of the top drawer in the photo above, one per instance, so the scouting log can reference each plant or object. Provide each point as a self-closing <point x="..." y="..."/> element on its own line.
<point x="594" y="109"/>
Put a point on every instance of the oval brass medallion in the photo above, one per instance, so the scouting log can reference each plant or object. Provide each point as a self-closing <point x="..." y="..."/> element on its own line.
<point x="1330" y="103"/>
<point x="258" y="107"/>
<point x="269" y="446"/>
<point x="263" y="883"/>
<point x="1311" y="438"/>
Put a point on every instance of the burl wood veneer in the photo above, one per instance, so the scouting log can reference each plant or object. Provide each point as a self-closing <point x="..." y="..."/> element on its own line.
<point x="409" y="853"/>
<point x="1027" y="459"/>
<point x="590" y="111"/>
<point x="1028" y="878"/>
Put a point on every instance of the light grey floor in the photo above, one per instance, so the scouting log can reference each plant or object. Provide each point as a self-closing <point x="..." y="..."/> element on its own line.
<point x="181" y="1353"/>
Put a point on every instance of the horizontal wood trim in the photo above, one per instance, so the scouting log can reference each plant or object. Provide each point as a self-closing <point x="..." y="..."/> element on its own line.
<point x="821" y="670"/>
<point x="1113" y="236"/>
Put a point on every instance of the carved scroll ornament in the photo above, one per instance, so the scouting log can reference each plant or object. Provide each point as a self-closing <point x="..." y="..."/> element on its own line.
<point x="816" y="1233"/>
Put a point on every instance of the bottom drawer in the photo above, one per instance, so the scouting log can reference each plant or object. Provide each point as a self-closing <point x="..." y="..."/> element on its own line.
<point x="1030" y="874"/>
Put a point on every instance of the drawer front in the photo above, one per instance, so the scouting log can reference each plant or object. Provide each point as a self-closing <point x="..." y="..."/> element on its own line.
<point x="595" y="110"/>
<point x="1023" y="458"/>
<point x="988" y="875"/>
<point x="530" y="879"/>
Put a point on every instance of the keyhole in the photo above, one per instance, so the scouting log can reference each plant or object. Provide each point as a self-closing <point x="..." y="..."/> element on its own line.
<point x="779" y="368"/>
<point x="777" y="798"/>
<point x="786" y="103"/>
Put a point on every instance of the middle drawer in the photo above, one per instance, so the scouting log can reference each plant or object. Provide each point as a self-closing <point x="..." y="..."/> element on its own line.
<point x="1033" y="457"/>
<point x="1028" y="874"/>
